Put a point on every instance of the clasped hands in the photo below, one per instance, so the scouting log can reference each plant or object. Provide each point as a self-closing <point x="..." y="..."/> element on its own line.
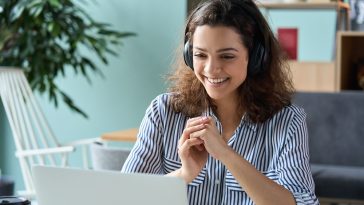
<point x="199" y="139"/>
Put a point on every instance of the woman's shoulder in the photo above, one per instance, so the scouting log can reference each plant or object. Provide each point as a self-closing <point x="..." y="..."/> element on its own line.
<point x="288" y="114"/>
<point x="161" y="108"/>
<point x="296" y="110"/>
<point x="293" y="108"/>
<point x="163" y="99"/>
<point x="163" y="103"/>
<point x="288" y="119"/>
<point x="292" y="112"/>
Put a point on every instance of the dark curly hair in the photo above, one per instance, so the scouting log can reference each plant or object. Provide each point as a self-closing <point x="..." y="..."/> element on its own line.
<point x="261" y="95"/>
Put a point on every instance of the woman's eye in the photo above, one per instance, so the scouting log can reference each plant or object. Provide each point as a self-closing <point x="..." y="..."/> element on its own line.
<point x="199" y="55"/>
<point x="227" y="57"/>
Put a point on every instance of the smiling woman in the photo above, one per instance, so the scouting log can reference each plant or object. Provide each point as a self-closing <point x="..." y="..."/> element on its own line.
<point x="228" y="127"/>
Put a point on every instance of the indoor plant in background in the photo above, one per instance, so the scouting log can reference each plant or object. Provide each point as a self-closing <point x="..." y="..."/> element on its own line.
<point x="44" y="38"/>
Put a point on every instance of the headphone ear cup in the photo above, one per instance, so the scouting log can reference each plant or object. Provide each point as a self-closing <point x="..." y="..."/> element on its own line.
<point x="256" y="60"/>
<point x="187" y="55"/>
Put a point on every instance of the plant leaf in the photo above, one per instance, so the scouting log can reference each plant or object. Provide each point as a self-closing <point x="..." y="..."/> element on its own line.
<point x="46" y="37"/>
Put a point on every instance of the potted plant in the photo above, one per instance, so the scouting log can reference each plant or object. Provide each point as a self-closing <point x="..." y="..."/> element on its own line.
<point x="44" y="37"/>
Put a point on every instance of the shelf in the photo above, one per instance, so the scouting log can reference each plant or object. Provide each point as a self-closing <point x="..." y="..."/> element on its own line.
<point x="332" y="76"/>
<point x="305" y="5"/>
<point x="313" y="76"/>
<point x="351" y="33"/>
<point x="350" y="50"/>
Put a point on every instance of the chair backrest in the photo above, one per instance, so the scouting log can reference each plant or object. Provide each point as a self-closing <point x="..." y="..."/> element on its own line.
<point x="108" y="158"/>
<point x="335" y="123"/>
<point x="31" y="132"/>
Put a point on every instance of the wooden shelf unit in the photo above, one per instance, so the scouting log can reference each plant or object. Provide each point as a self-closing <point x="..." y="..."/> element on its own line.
<point x="313" y="76"/>
<point x="342" y="10"/>
<point x="350" y="48"/>
<point x="332" y="76"/>
<point x="310" y="75"/>
<point x="305" y="5"/>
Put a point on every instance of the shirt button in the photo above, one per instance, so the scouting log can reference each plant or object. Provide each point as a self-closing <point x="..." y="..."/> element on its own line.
<point x="217" y="181"/>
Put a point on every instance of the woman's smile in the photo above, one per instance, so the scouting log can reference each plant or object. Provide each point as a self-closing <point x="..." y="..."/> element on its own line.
<point x="217" y="81"/>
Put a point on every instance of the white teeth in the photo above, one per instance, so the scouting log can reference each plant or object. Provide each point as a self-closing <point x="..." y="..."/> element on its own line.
<point x="216" y="80"/>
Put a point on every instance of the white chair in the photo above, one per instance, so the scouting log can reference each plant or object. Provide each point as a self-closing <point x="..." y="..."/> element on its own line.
<point x="108" y="158"/>
<point x="34" y="140"/>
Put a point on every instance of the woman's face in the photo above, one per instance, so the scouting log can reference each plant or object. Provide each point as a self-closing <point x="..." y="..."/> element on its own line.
<point x="220" y="60"/>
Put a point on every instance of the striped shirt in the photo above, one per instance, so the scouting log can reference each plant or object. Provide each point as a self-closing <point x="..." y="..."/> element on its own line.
<point x="278" y="148"/>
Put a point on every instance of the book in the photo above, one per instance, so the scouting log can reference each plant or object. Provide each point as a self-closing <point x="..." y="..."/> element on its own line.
<point x="288" y="39"/>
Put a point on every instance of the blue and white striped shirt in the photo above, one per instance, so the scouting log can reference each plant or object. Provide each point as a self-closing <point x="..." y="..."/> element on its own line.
<point x="278" y="148"/>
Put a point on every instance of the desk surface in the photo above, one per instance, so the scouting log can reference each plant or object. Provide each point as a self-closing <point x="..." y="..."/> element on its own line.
<point x="129" y="135"/>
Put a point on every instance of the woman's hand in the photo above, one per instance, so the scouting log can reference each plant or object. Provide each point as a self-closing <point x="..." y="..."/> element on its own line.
<point x="191" y="149"/>
<point x="213" y="142"/>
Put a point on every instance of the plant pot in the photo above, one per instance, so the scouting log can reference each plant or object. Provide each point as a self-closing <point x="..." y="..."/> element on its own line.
<point x="12" y="200"/>
<point x="6" y="186"/>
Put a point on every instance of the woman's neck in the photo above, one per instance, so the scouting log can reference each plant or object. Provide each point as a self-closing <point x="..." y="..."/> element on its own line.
<point x="229" y="115"/>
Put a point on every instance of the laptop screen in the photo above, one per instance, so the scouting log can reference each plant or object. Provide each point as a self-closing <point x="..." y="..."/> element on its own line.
<point x="60" y="186"/>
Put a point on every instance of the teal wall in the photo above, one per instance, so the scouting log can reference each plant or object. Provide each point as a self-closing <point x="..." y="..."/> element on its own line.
<point x="316" y="30"/>
<point x="131" y="81"/>
<point x="8" y="163"/>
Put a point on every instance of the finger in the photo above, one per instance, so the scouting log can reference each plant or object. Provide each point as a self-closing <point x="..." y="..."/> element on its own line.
<point x="193" y="125"/>
<point x="188" y="144"/>
<point x="194" y="129"/>
<point x="196" y="121"/>
<point x="210" y="120"/>
<point x="198" y="133"/>
<point x="192" y="121"/>
<point x="187" y="132"/>
<point x="200" y="147"/>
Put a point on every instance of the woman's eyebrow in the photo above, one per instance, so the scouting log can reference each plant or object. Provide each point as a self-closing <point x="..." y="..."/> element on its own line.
<point x="218" y="51"/>
<point x="198" y="48"/>
<point x="227" y="49"/>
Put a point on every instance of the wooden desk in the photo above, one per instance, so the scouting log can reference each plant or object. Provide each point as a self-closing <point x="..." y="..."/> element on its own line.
<point x="129" y="135"/>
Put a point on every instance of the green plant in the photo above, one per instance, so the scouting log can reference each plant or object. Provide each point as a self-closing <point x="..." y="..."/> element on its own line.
<point x="44" y="37"/>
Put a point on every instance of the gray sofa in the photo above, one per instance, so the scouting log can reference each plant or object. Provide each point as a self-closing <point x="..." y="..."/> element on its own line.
<point x="335" y="124"/>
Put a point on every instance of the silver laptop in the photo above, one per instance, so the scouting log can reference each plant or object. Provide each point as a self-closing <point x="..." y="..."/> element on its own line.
<point x="68" y="186"/>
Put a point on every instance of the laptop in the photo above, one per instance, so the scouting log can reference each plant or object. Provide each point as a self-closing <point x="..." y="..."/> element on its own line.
<point x="70" y="186"/>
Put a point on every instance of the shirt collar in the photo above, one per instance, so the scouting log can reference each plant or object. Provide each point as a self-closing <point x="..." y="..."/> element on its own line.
<point x="244" y="120"/>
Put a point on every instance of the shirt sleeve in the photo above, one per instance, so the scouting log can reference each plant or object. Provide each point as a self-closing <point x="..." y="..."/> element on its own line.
<point x="293" y="166"/>
<point x="145" y="157"/>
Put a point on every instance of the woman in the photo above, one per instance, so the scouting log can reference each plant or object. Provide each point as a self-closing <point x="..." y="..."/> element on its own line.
<point x="228" y="127"/>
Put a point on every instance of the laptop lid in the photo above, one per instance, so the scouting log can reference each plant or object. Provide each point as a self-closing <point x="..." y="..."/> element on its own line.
<point x="60" y="186"/>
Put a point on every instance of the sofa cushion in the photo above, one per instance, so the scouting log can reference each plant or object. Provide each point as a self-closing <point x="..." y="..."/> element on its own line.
<point x="346" y="182"/>
<point x="335" y="123"/>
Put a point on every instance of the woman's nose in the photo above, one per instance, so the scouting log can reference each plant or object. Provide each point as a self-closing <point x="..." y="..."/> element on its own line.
<point x="212" y="65"/>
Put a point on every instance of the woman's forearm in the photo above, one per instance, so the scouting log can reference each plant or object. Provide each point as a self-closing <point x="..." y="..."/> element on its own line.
<point x="260" y="188"/>
<point x="179" y="173"/>
<point x="175" y="173"/>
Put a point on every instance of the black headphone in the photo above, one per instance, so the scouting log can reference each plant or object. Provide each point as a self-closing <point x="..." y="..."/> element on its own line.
<point x="257" y="55"/>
